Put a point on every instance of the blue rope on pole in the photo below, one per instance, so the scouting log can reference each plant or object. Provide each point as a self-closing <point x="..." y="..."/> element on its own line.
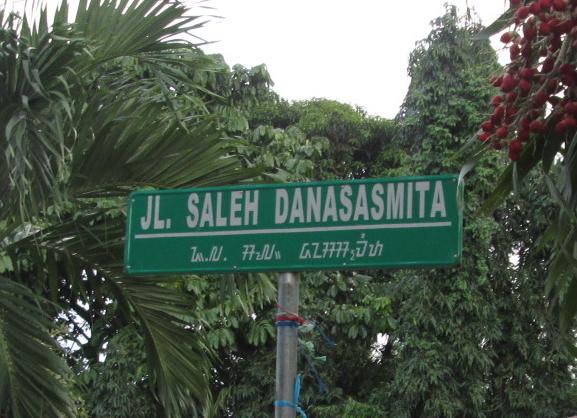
<point x="316" y="374"/>
<point x="291" y="324"/>
<point x="296" y="396"/>
<point x="295" y="321"/>
<point x="324" y="336"/>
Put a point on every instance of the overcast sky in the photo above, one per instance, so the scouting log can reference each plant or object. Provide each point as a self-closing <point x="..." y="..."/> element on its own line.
<point x="352" y="51"/>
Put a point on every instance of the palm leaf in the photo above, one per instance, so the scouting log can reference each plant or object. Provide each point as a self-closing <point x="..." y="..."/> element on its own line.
<point x="25" y="391"/>
<point x="127" y="27"/>
<point x="497" y="26"/>
<point x="46" y="78"/>
<point x="178" y="356"/>
<point x="148" y="151"/>
<point x="177" y="353"/>
<point x="93" y="110"/>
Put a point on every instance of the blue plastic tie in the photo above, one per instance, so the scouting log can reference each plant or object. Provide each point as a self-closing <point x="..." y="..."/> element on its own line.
<point x="291" y="324"/>
<point x="318" y="378"/>
<point x="296" y="395"/>
<point x="324" y="336"/>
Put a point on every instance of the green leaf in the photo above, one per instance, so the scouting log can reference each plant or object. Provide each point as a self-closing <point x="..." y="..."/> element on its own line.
<point x="34" y="378"/>
<point x="178" y="356"/>
<point x="569" y="306"/>
<point x="513" y="175"/>
<point x="497" y="26"/>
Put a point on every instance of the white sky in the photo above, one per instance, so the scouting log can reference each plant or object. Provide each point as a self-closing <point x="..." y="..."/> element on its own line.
<point x="352" y="51"/>
<point x="355" y="52"/>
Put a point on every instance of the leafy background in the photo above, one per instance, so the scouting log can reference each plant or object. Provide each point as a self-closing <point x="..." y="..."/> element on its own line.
<point x="87" y="116"/>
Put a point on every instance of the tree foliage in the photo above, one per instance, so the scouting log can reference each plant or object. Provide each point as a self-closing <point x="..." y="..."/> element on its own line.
<point x="534" y="120"/>
<point x="87" y="117"/>
<point x="355" y="139"/>
<point x="89" y="110"/>
<point x="477" y="340"/>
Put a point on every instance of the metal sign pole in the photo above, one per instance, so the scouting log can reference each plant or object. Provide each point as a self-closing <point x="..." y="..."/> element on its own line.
<point x="286" y="346"/>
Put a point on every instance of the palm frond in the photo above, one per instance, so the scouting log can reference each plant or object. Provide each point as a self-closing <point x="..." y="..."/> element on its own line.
<point x="177" y="353"/>
<point x="33" y="113"/>
<point x="132" y="27"/>
<point x="178" y="356"/>
<point x="89" y="111"/>
<point x="148" y="150"/>
<point x="51" y="81"/>
<point x="25" y="340"/>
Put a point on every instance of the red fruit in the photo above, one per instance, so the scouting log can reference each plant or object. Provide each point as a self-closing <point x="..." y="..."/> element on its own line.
<point x="514" y="156"/>
<point x="523" y="135"/>
<point x="497" y="145"/>
<point x="484" y="136"/>
<point x="525" y="86"/>
<point x="559" y="5"/>
<point x="561" y="126"/>
<point x="535" y="8"/>
<point x="537" y="126"/>
<point x="554" y="45"/>
<point x="556" y="26"/>
<point x="545" y="28"/>
<point x="526" y="50"/>
<point x="487" y="126"/>
<point x="566" y="69"/>
<point x="540" y="98"/>
<point x="511" y="111"/>
<point x="570" y="122"/>
<point x="514" y="51"/>
<point x="529" y="31"/>
<point x="515" y="2"/>
<point x="516" y="146"/>
<point x="496" y="101"/>
<point x="547" y="65"/>
<point x="522" y="12"/>
<point x="497" y="115"/>
<point x="508" y="37"/>
<point x="497" y="81"/>
<point x="527" y="73"/>
<point x="552" y="86"/>
<point x="525" y="124"/>
<point x="511" y="97"/>
<point x="569" y="79"/>
<point x="564" y="27"/>
<point x="568" y="74"/>
<point x="509" y="83"/>
<point x="571" y="107"/>
<point x="553" y="23"/>
<point x="502" y="132"/>
<point x="545" y="4"/>
<point x="533" y="114"/>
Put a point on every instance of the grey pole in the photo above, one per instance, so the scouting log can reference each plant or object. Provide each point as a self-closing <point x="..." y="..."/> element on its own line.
<point x="286" y="345"/>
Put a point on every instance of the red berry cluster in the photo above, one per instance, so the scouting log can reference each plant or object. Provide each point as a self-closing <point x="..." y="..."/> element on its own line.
<point x="539" y="86"/>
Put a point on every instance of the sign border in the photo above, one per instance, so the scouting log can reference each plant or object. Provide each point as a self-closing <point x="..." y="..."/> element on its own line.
<point x="334" y="267"/>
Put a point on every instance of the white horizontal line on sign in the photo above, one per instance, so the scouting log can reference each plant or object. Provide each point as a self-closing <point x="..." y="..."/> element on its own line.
<point x="292" y="230"/>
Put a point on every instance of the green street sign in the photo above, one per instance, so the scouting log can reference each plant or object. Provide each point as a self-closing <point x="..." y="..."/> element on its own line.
<point x="333" y="225"/>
